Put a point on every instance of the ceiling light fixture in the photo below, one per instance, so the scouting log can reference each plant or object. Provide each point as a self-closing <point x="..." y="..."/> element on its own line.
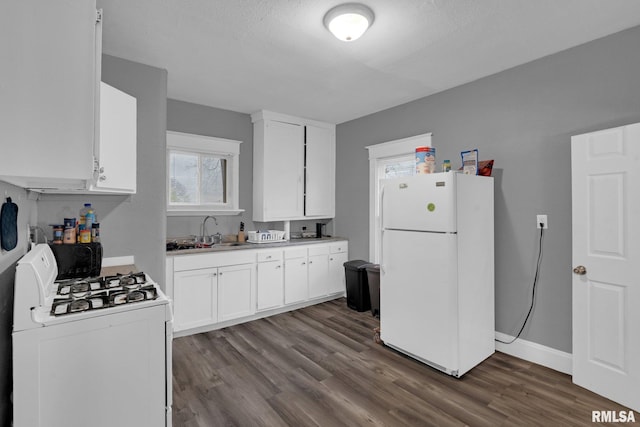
<point x="348" y="21"/>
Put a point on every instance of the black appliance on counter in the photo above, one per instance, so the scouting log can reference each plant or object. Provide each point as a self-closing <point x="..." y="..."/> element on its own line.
<point x="78" y="260"/>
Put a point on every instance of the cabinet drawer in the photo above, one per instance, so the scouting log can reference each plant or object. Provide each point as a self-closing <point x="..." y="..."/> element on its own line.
<point x="266" y="256"/>
<point x="209" y="260"/>
<point x="290" y="253"/>
<point x="319" y="250"/>
<point x="339" y="247"/>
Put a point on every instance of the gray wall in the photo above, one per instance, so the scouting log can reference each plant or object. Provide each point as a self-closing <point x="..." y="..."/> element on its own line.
<point x="523" y="118"/>
<point x="130" y="225"/>
<point x="201" y="120"/>
<point x="26" y="215"/>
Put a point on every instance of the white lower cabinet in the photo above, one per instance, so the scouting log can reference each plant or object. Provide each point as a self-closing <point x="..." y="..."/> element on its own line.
<point x="235" y="291"/>
<point x="338" y="256"/>
<point x="217" y="288"/>
<point x="296" y="283"/>
<point x="318" y="269"/>
<point x="195" y="298"/>
<point x="270" y="285"/>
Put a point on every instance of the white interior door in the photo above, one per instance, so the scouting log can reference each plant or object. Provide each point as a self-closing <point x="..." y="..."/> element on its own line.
<point x="605" y="168"/>
<point x="388" y="160"/>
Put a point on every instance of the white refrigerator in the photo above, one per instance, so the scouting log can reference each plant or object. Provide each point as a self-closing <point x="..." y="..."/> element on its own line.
<point x="437" y="269"/>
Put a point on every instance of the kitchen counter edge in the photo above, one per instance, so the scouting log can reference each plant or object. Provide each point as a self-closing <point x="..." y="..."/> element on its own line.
<point x="251" y="246"/>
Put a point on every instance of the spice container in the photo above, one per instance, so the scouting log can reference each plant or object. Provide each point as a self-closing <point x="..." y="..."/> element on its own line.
<point x="58" y="232"/>
<point x="85" y="234"/>
<point x="446" y="166"/>
<point x="95" y="232"/>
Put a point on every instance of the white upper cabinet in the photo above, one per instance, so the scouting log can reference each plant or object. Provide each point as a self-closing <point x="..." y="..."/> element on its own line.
<point x="48" y="82"/>
<point x="49" y="97"/>
<point x="320" y="172"/>
<point x="116" y="147"/>
<point x="293" y="168"/>
<point x="278" y="170"/>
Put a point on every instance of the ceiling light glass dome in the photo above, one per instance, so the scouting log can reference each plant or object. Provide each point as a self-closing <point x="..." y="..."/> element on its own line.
<point x="348" y="21"/>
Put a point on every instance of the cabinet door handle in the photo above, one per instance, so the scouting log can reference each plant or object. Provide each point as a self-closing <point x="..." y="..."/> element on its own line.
<point x="215" y="274"/>
<point x="268" y="256"/>
<point x="220" y="274"/>
<point x="303" y="263"/>
<point x="330" y="259"/>
<point x="310" y="262"/>
<point x="278" y="266"/>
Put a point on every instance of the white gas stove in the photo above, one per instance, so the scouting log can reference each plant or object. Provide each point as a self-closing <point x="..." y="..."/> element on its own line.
<point x="119" y="327"/>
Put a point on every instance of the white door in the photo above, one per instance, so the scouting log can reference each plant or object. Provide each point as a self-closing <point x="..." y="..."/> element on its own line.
<point x="283" y="171"/>
<point x="235" y="291"/>
<point x="388" y="160"/>
<point x="337" y="280"/>
<point x="295" y="280"/>
<point x="270" y="285"/>
<point x="605" y="169"/>
<point x="117" y="144"/>
<point x="320" y="174"/>
<point x="318" y="275"/>
<point x="195" y="298"/>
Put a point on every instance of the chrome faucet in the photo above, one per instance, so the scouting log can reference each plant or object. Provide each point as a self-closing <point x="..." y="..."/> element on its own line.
<point x="204" y="224"/>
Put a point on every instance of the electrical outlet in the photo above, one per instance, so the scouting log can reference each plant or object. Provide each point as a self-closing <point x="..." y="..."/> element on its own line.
<point x="541" y="219"/>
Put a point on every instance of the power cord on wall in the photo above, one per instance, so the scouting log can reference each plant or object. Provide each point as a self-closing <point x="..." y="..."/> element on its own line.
<point x="533" y="293"/>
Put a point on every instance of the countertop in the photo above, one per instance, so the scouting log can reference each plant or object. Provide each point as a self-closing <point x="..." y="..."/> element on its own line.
<point x="118" y="269"/>
<point x="224" y="247"/>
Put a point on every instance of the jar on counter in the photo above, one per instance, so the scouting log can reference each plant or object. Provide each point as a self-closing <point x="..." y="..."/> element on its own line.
<point x="95" y="232"/>
<point x="58" y="234"/>
<point x="69" y="235"/>
<point x="85" y="234"/>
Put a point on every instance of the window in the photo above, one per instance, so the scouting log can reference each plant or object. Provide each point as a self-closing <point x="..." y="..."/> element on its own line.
<point x="202" y="175"/>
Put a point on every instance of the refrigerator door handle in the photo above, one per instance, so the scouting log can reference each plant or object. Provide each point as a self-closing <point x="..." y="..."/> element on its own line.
<point x="382" y="229"/>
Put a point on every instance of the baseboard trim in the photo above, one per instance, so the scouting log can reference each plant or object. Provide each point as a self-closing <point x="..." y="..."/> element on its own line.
<point x="536" y="353"/>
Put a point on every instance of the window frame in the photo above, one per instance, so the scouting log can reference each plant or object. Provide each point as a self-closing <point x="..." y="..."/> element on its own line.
<point x="227" y="149"/>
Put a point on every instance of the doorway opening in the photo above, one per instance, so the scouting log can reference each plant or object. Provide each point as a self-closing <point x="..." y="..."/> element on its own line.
<point x="388" y="160"/>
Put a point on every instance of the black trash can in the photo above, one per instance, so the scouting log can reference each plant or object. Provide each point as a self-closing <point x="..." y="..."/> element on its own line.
<point x="373" y="277"/>
<point x="357" y="286"/>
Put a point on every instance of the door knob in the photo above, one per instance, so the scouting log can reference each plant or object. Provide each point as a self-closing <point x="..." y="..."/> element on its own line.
<point x="580" y="270"/>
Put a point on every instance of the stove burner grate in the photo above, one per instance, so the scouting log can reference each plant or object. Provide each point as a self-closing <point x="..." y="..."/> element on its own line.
<point x="78" y="295"/>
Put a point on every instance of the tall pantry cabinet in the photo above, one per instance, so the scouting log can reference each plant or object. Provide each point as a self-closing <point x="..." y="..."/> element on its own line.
<point x="293" y="168"/>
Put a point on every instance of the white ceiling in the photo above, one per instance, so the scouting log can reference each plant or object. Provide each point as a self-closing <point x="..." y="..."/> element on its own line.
<point x="248" y="55"/>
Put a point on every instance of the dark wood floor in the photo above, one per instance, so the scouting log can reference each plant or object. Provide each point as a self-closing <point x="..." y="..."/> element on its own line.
<point x="319" y="366"/>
